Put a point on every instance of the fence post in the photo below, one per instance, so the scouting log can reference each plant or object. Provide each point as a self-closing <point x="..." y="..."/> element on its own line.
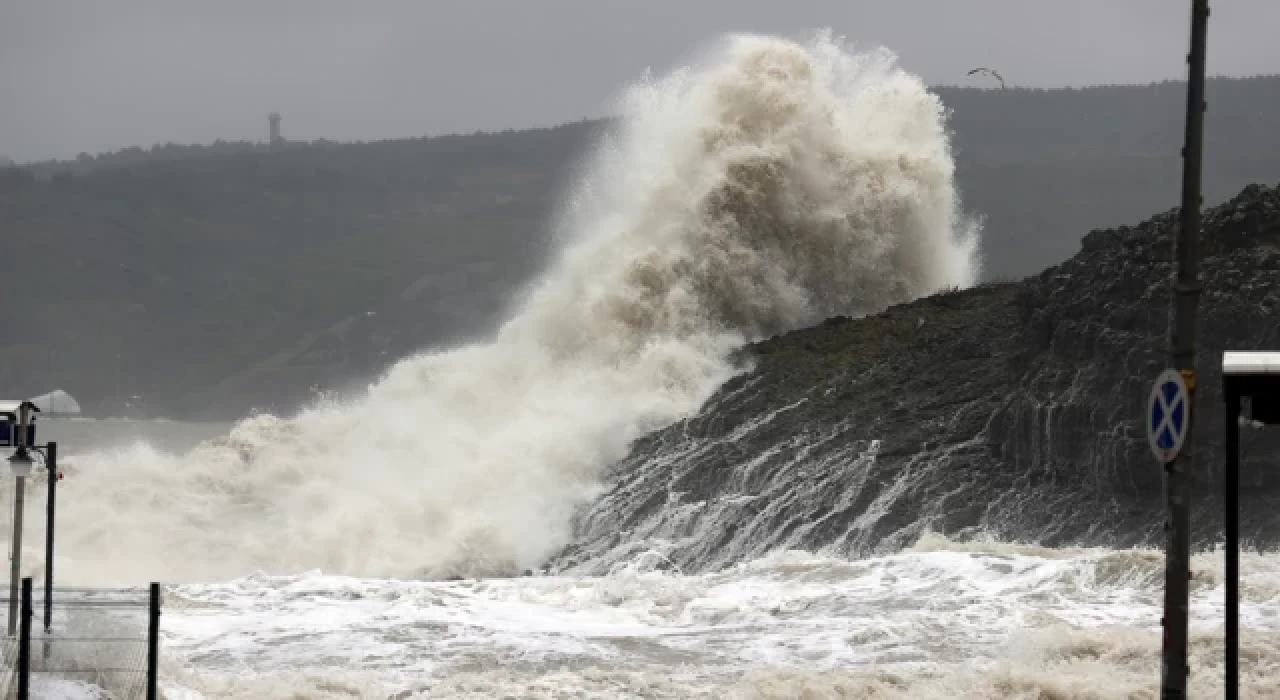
<point x="24" y="643"/>
<point x="153" y="643"/>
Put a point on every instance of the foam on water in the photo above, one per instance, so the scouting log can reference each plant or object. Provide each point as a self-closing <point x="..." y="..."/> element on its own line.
<point x="770" y="186"/>
<point x="942" y="620"/>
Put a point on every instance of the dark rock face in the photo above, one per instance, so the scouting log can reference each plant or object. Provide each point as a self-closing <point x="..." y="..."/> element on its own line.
<point x="1011" y="409"/>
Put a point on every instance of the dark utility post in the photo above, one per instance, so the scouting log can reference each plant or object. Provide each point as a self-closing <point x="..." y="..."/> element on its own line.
<point x="24" y="643"/>
<point x="1231" y="526"/>
<point x="153" y="643"/>
<point x="1186" y="299"/>
<point x="51" y="466"/>
<point x="1254" y="376"/>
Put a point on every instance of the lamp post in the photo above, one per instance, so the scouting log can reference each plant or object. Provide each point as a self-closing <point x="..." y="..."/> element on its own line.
<point x="20" y="464"/>
<point x="1254" y="376"/>
<point x="18" y="430"/>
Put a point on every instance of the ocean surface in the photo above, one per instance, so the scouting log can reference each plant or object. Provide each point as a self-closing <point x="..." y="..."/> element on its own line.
<point x="374" y="548"/>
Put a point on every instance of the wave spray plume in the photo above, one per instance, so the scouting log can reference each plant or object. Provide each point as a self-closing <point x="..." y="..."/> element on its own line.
<point x="772" y="185"/>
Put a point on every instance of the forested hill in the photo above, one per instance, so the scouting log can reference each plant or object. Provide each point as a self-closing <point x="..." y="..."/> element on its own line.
<point x="210" y="280"/>
<point x="207" y="285"/>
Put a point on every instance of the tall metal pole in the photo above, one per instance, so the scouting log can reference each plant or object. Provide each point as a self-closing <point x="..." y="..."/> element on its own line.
<point x="1186" y="298"/>
<point x="19" y="485"/>
<point x="51" y="466"/>
<point x="1231" y="611"/>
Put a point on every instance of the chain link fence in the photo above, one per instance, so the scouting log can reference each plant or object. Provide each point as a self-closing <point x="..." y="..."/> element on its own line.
<point x="89" y="642"/>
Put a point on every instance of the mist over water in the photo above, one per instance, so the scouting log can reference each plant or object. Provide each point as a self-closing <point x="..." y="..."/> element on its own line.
<point x="768" y="187"/>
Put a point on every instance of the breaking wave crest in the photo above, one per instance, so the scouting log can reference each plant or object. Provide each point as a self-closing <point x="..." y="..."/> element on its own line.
<point x="773" y="184"/>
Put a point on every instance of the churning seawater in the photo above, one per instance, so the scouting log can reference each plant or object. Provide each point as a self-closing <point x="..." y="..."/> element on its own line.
<point x="767" y="187"/>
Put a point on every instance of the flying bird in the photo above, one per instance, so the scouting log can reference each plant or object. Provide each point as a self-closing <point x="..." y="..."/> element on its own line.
<point x="990" y="72"/>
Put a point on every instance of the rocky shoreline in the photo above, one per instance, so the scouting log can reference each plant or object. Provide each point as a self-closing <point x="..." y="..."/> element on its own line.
<point x="1012" y="410"/>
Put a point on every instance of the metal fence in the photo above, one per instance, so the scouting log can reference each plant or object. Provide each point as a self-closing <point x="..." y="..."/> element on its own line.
<point x="99" y="642"/>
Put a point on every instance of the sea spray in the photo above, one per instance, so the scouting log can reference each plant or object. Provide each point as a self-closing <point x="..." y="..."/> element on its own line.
<point x="773" y="184"/>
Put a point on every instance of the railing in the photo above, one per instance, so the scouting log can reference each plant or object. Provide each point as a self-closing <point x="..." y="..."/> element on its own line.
<point x="97" y="640"/>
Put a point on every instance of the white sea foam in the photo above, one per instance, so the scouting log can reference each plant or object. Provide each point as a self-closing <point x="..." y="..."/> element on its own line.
<point x="941" y="621"/>
<point x="772" y="185"/>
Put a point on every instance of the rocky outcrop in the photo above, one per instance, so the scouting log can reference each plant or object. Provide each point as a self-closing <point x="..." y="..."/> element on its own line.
<point x="1009" y="409"/>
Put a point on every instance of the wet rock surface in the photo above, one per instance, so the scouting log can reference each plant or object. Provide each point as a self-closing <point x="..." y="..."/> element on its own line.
<point x="1010" y="409"/>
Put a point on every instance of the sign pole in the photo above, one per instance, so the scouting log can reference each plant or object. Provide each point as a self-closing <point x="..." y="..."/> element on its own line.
<point x="1186" y="297"/>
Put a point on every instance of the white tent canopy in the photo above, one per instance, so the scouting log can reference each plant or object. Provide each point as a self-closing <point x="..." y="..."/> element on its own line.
<point x="56" y="403"/>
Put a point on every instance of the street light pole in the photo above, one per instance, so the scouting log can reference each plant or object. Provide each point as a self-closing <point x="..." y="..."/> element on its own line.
<point x="20" y="464"/>
<point x="1186" y="300"/>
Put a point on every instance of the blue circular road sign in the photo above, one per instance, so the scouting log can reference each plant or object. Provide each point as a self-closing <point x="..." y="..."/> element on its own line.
<point x="1168" y="415"/>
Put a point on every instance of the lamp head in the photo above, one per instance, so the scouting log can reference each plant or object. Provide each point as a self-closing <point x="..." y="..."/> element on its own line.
<point x="20" y="462"/>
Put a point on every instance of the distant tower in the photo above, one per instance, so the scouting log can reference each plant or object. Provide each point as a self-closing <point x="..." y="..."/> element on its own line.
<point x="274" y="120"/>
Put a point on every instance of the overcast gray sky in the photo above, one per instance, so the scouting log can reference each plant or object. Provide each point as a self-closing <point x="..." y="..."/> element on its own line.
<point x="95" y="75"/>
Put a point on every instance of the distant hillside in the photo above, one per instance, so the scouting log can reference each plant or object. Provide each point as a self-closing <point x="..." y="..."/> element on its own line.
<point x="210" y="280"/>
<point x="183" y="280"/>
